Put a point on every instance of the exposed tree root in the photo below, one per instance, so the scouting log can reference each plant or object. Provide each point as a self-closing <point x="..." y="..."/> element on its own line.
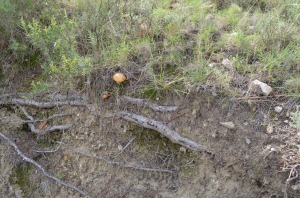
<point x="45" y="105"/>
<point x="152" y="106"/>
<point x="164" y="130"/>
<point x="37" y="165"/>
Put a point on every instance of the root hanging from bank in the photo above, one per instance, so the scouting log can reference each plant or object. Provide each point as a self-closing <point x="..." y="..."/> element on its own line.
<point x="164" y="130"/>
<point x="38" y="166"/>
<point x="7" y="99"/>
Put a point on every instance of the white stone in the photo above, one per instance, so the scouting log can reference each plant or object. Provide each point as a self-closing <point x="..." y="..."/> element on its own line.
<point x="248" y="141"/>
<point x="211" y="65"/>
<point x="228" y="125"/>
<point x="286" y="121"/>
<point x="120" y="147"/>
<point x="270" y="129"/>
<point x="226" y="61"/>
<point x="259" y="88"/>
<point x="182" y="149"/>
<point x="246" y="123"/>
<point x="278" y="109"/>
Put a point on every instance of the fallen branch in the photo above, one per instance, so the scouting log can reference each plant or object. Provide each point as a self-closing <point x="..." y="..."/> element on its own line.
<point x="17" y="101"/>
<point x="37" y="165"/>
<point x="153" y="106"/>
<point x="164" y="130"/>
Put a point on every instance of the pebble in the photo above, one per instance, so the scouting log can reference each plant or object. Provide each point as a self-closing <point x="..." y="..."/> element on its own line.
<point x="228" y="125"/>
<point x="248" y="141"/>
<point x="286" y="121"/>
<point x="120" y="147"/>
<point x="182" y="149"/>
<point x="211" y="65"/>
<point x="278" y="109"/>
<point x="270" y="129"/>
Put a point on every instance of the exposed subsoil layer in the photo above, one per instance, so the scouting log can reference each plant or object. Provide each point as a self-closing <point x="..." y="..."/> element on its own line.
<point x="239" y="167"/>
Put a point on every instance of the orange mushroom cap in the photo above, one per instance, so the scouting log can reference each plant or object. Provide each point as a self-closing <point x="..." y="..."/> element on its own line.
<point x="119" y="78"/>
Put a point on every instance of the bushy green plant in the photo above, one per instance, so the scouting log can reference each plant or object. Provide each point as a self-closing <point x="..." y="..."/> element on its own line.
<point x="57" y="43"/>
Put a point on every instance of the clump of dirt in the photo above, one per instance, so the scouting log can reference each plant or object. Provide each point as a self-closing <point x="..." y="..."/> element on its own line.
<point x="109" y="157"/>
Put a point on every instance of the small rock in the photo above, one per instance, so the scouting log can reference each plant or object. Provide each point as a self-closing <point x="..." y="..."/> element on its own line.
<point x="278" y="109"/>
<point x="272" y="149"/>
<point x="286" y="121"/>
<point x="182" y="149"/>
<point x="270" y="129"/>
<point x="287" y="114"/>
<point x="194" y="112"/>
<point x="259" y="88"/>
<point x="228" y="64"/>
<point x="120" y="147"/>
<point x="248" y="141"/>
<point x="296" y="187"/>
<point x="228" y="125"/>
<point x="209" y="17"/>
<point x="246" y="123"/>
<point x="211" y="65"/>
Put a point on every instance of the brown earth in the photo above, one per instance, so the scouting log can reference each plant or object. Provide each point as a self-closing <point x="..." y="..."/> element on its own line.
<point x="241" y="167"/>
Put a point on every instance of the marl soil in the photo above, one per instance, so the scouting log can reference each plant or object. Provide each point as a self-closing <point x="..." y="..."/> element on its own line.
<point x="239" y="167"/>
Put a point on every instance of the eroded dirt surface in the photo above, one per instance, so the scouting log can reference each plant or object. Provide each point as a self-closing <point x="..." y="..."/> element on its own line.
<point x="240" y="167"/>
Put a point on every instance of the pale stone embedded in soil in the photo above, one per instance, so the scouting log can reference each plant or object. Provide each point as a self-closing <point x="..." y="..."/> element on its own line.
<point x="248" y="141"/>
<point x="270" y="129"/>
<point x="259" y="88"/>
<point x="228" y="125"/>
<point x="278" y="109"/>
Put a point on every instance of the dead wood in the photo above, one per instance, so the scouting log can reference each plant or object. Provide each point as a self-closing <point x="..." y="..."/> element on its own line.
<point x="44" y="130"/>
<point x="18" y="101"/>
<point x="49" y="129"/>
<point x="164" y="130"/>
<point x="38" y="166"/>
<point x="146" y="103"/>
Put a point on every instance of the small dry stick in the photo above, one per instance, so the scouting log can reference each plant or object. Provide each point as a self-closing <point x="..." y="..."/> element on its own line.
<point x="37" y="165"/>
<point x="164" y="130"/>
<point x="153" y="106"/>
<point x="46" y="130"/>
<point x="125" y="147"/>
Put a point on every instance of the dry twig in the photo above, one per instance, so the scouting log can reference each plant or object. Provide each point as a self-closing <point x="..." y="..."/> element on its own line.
<point x="46" y="130"/>
<point x="38" y="166"/>
<point x="292" y="176"/>
<point x="123" y="149"/>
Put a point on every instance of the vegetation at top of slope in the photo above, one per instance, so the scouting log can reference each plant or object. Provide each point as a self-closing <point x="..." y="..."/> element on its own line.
<point x="164" y="45"/>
